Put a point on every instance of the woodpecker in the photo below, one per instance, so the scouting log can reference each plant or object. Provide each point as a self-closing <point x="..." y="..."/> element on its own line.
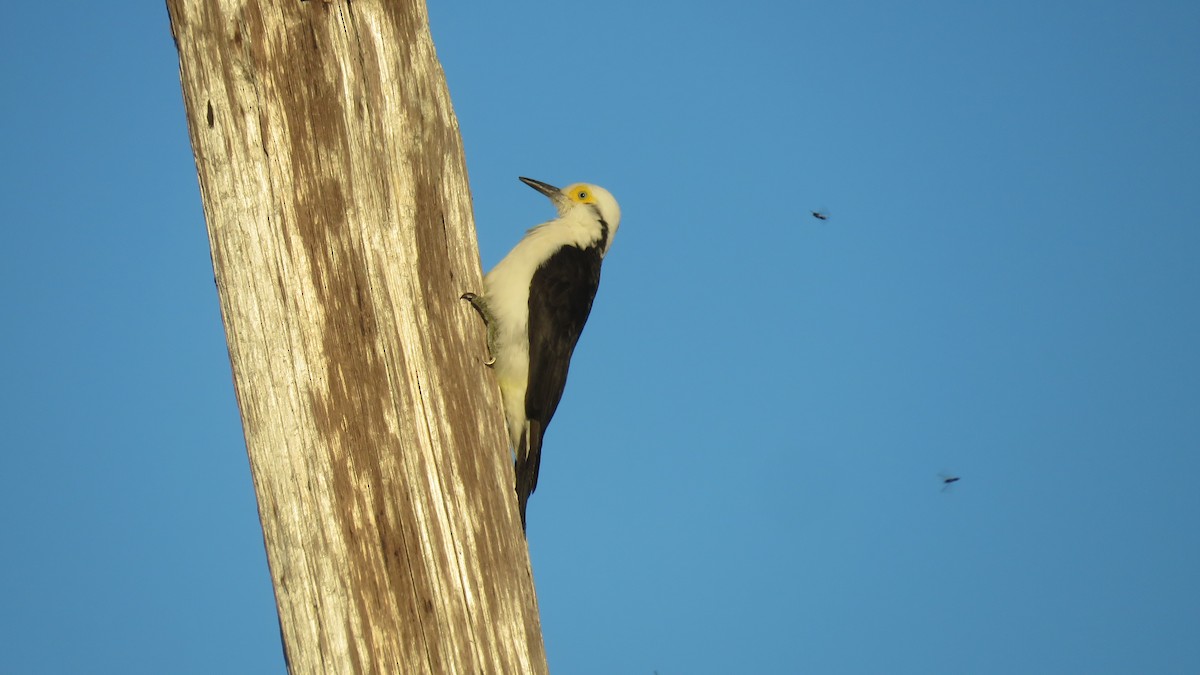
<point x="535" y="302"/>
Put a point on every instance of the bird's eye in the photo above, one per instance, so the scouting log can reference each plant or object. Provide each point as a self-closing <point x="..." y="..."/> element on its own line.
<point x="582" y="194"/>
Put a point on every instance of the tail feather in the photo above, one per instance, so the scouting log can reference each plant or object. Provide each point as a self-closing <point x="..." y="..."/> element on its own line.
<point x="529" y="459"/>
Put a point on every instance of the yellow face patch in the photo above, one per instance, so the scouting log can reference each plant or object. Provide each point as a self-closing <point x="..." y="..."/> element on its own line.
<point x="581" y="193"/>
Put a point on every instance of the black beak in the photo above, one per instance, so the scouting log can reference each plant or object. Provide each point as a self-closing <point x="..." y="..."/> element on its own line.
<point x="545" y="188"/>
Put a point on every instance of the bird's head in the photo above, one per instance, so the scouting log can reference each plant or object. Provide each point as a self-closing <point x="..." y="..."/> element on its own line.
<point x="580" y="195"/>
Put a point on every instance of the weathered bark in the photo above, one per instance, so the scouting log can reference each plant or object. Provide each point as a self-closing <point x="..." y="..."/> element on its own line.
<point x="334" y="187"/>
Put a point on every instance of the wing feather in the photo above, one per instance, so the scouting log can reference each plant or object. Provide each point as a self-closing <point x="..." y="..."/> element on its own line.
<point x="560" y="299"/>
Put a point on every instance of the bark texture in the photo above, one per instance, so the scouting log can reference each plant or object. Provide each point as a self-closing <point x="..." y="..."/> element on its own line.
<point x="335" y="192"/>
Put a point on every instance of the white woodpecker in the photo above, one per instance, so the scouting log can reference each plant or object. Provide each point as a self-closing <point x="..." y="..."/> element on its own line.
<point x="535" y="302"/>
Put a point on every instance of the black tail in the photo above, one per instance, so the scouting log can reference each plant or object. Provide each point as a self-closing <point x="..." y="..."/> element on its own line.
<point x="529" y="459"/>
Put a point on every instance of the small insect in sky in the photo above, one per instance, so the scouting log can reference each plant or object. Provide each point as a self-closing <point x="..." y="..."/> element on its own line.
<point x="820" y="215"/>
<point x="948" y="480"/>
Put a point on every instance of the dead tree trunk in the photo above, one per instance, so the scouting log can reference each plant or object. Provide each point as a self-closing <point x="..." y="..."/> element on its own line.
<point x="334" y="187"/>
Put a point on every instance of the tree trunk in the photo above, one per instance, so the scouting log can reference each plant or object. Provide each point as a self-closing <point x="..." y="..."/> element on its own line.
<point x="334" y="187"/>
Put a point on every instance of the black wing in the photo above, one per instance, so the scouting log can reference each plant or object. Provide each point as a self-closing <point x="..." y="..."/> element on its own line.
<point x="560" y="299"/>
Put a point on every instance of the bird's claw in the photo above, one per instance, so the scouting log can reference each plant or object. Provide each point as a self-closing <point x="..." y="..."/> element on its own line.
<point x="476" y="302"/>
<point x="471" y="298"/>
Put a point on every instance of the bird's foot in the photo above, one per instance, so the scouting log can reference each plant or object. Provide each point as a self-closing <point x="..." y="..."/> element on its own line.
<point x="476" y="302"/>
<point x="480" y="307"/>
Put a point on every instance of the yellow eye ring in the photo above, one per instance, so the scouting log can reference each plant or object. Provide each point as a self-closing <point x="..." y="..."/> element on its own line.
<point x="582" y="194"/>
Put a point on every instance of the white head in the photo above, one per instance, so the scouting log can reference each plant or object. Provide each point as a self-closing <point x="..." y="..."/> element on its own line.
<point x="582" y="196"/>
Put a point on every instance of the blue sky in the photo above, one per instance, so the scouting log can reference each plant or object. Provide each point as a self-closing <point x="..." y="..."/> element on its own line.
<point x="742" y="477"/>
